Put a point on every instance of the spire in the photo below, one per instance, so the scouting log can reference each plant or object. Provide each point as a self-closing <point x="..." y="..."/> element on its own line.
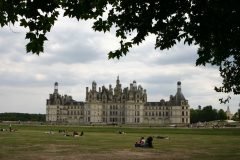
<point x="178" y="86"/>
<point x="56" y="87"/>
<point x="94" y="86"/>
<point x="228" y="110"/>
<point x="117" y="89"/>
<point x="118" y="81"/>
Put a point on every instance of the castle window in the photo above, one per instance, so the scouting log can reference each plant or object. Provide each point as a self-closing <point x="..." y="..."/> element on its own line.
<point x="137" y="120"/>
<point x="182" y="107"/>
<point x="182" y="120"/>
<point x="186" y="113"/>
<point x="182" y="113"/>
<point x="159" y="113"/>
<point x="166" y="113"/>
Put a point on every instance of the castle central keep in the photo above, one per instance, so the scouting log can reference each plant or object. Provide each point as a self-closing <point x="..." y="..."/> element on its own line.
<point x="117" y="105"/>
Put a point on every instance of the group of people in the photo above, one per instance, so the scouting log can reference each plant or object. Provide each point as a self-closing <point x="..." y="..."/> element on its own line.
<point x="74" y="134"/>
<point x="66" y="133"/>
<point x="122" y="132"/>
<point x="10" y="129"/>
<point x="3" y="129"/>
<point x="144" y="143"/>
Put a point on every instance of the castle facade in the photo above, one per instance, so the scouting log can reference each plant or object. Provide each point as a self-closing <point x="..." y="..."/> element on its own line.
<point x="117" y="106"/>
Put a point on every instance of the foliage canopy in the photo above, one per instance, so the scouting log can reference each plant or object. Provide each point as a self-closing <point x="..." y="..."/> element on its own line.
<point x="213" y="25"/>
<point x="207" y="114"/>
<point x="22" y="117"/>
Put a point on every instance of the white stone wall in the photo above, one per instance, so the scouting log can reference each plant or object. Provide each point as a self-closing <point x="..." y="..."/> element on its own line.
<point x="51" y="113"/>
<point x="129" y="113"/>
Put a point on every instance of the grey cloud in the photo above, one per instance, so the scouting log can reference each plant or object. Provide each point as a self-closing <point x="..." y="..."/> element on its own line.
<point x="179" y="54"/>
<point x="161" y="79"/>
<point x="76" y="54"/>
<point x="74" y="47"/>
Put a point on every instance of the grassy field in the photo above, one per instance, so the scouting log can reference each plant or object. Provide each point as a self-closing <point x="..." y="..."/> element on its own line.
<point x="100" y="143"/>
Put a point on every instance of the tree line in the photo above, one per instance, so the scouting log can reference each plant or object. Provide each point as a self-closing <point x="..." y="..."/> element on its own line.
<point x="207" y="114"/>
<point x="22" y="117"/>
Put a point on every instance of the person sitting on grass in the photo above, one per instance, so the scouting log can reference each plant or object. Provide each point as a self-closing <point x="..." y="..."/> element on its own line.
<point x="75" y="134"/>
<point x="81" y="133"/>
<point x="140" y="143"/>
<point x="10" y="127"/>
<point x="149" y="142"/>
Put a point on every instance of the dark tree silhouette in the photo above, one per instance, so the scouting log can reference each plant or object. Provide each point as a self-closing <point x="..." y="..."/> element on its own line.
<point x="22" y="117"/>
<point x="207" y="114"/>
<point x="222" y="115"/>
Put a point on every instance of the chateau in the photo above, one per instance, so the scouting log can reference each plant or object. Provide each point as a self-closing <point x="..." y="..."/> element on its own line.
<point x="117" y="106"/>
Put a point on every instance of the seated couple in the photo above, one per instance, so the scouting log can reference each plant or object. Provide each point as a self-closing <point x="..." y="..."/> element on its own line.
<point x="143" y="143"/>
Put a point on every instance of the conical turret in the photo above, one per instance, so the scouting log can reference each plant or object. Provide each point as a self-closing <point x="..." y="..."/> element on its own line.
<point x="179" y="95"/>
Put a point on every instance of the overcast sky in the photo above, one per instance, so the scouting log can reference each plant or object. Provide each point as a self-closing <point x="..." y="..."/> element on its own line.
<point x="75" y="56"/>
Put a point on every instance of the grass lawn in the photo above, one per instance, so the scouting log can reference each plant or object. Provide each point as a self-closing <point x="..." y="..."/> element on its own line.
<point x="100" y="143"/>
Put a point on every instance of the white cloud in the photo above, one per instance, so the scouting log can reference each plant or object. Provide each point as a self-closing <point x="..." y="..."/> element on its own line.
<point x="40" y="77"/>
